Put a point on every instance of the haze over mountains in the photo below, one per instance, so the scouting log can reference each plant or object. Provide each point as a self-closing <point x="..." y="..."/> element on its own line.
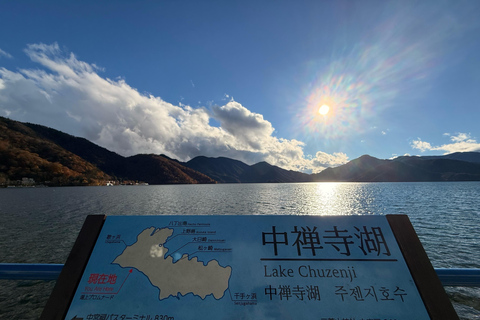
<point x="48" y="156"/>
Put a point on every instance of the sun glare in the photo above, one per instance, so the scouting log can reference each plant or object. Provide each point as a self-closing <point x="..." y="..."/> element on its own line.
<point x="324" y="109"/>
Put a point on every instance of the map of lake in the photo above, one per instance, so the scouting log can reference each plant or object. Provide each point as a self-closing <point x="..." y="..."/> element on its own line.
<point x="183" y="276"/>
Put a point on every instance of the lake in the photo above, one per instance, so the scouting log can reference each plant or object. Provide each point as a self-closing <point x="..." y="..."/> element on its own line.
<point x="40" y="225"/>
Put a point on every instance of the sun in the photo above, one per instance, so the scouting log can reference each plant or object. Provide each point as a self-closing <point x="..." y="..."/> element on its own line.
<point x="324" y="109"/>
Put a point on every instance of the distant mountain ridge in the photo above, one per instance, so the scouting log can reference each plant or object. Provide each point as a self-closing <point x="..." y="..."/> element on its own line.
<point x="48" y="155"/>
<point x="154" y="169"/>
<point x="220" y="169"/>
<point x="364" y="169"/>
<point x="53" y="152"/>
<point x="25" y="155"/>
<point x="406" y="169"/>
<point x="226" y="170"/>
<point x="461" y="156"/>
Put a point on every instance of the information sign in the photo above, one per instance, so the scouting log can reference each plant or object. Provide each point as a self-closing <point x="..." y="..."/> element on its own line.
<point x="249" y="267"/>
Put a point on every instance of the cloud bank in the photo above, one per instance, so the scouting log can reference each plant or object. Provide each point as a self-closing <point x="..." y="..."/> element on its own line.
<point x="69" y="95"/>
<point x="460" y="142"/>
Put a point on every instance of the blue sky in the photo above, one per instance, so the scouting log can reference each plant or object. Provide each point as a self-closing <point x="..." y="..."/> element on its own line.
<point x="245" y="79"/>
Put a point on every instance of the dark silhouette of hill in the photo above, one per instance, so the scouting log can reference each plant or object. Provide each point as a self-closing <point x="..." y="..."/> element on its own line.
<point x="159" y="169"/>
<point x="264" y="172"/>
<point x="153" y="169"/>
<point x="45" y="154"/>
<point x="26" y="154"/>
<point x="461" y="156"/>
<point x="351" y="171"/>
<point x="221" y="169"/>
<point x="110" y="162"/>
<point x="227" y="170"/>
<point x="402" y="169"/>
<point x="446" y="168"/>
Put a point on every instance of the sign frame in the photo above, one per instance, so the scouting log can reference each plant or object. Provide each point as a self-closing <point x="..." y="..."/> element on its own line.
<point x="430" y="288"/>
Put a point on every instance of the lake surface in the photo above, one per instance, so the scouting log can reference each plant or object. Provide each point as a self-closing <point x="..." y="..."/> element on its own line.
<point x="40" y="225"/>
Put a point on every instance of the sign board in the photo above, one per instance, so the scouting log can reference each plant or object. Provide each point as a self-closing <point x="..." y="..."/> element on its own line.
<point x="248" y="267"/>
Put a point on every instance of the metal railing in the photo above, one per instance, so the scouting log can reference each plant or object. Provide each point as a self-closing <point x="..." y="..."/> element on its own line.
<point x="30" y="271"/>
<point x="41" y="271"/>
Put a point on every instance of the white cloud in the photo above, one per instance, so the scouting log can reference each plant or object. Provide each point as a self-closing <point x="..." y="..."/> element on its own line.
<point x="69" y="95"/>
<point x="249" y="128"/>
<point x="421" y="145"/>
<point x="395" y="156"/>
<point x="5" y="54"/>
<point x="461" y="142"/>
<point x="460" y="137"/>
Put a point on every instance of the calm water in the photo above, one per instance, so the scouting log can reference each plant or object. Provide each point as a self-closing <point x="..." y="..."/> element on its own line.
<point x="41" y="225"/>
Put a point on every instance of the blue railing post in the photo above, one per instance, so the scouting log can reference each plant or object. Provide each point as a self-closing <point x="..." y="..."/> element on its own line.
<point x="30" y="271"/>
<point x="459" y="277"/>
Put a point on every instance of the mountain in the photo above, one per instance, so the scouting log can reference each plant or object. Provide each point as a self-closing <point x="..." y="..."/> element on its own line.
<point x="227" y="170"/>
<point x="221" y="169"/>
<point x="110" y="162"/>
<point x="31" y="152"/>
<point x="462" y="156"/>
<point x="159" y="169"/>
<point x="264" y="172"/>
<point x="363" y="169"/>
<point x="351" y="171"/>
<point x="25" y="154"/>
<point x="403" y="169"/>
<point x="52" y="157"/>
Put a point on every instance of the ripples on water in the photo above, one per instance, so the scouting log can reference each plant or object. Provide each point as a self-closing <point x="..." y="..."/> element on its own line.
<point x="41" y="225"/>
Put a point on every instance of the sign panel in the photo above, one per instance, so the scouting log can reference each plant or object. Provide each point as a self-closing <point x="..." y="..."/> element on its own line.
<point x="246" y="267"/>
